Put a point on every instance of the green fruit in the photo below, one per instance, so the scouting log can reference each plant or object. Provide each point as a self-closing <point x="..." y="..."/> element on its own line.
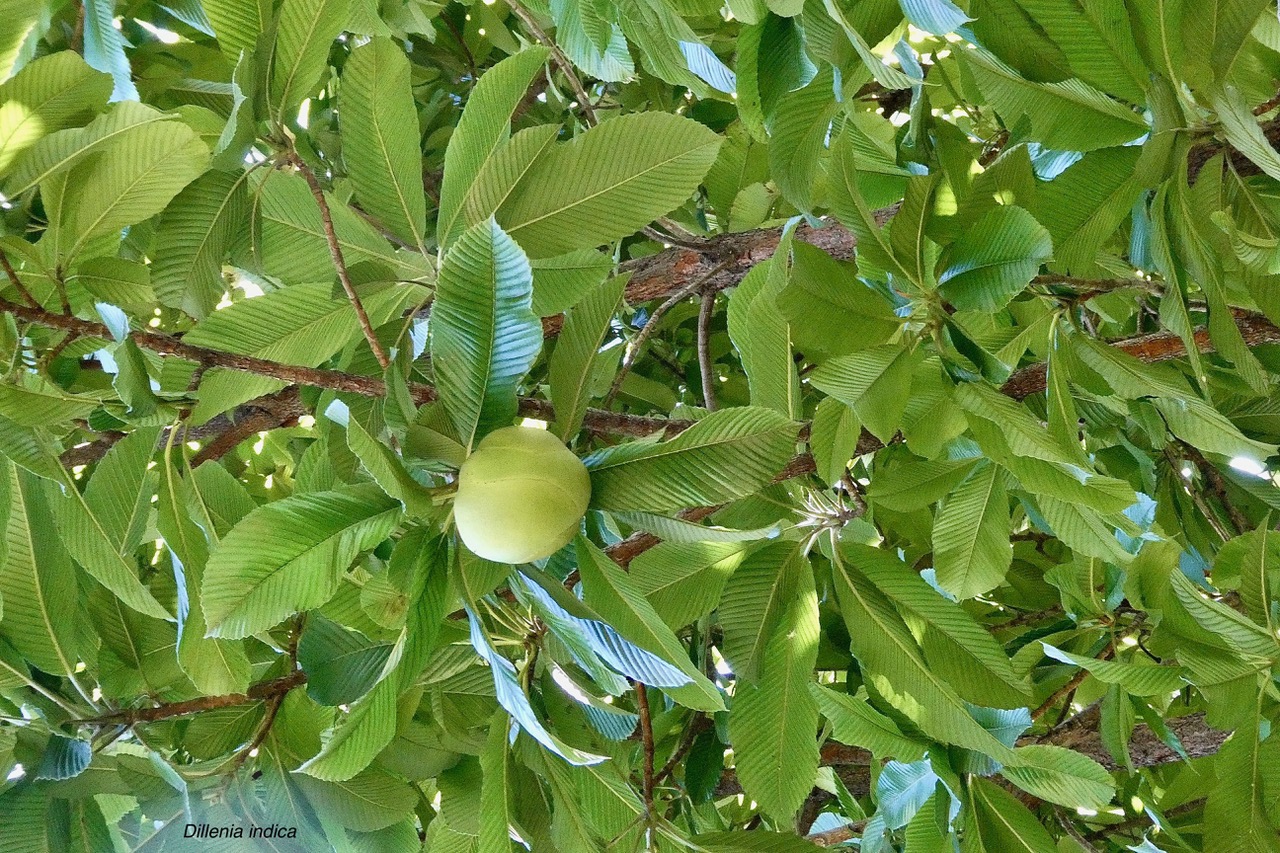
<point x="521" y="495"/>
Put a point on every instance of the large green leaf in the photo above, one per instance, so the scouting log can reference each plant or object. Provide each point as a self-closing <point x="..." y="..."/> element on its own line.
<point x="828" y="310"/>
<point x="573" y="362"/>
<point x="855" y="722"/>
<point x="289" y="555"/>
<point x="875" y="383"/>
<point x="305" y="31"/>
<point x="772" y="722"/>
<point x="997" y="821"/>
<point x="194" y="237"/>
<point x="607" y="183"/>
<point x="994" y="260"/>
<point x="607" y="589"/>
<point x="1070" y="114"/>
<point x="764" y="585"/>
<point x="214" y="665"/>
<point x="729" y="454"/>
<point x="484" y="335"/>
<point x="380" y="139"/>
<point x="289" y="240"/>
<point x="971" y="549"/>
<point x="127" y="184"/>
<point x="485" y="125"/>
<point x="956" y="646"/>
<point x="763" y="338"/>
<point x="893" y="662"/>
<point x="49" y="94"/>
<point x="304" y="324"/>
<point x="37" y="579"/>
<point x="62" y="150"/>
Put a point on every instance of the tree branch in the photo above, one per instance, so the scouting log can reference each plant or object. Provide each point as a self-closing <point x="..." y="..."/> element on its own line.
<point x="335" y="252"/>
<point x="557" y="56"/>
<point x="704" y="350"/>
<point x="257" y="692"/>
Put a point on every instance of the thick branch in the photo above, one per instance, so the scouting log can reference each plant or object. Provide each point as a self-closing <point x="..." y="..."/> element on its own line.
<point x="256" y="693"/>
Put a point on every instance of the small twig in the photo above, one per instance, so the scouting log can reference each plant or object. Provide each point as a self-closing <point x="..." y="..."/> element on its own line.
<point x="17" y="282"/>
<point x="77" y="34"/>
<point x="1130" y="824"/>
<point x="704" y="350"/>
<point x="839" y="835"/>
<point x="1218" y="484"/>
<point x="646" y="737"/>
<point x="335" y="252"/>
<point x="1268" y="105"/>
<point x="462" y="43"/>
<point x="696" y="727"/>
<point x="1068" y="688"/>
<point x="557" y="56"/>
<point x="650" y="326"/>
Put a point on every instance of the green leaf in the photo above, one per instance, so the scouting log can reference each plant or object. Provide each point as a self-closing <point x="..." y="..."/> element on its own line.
<point x="956" y="646"/>
<point x="772" y="722"/>
<point x="1136" y="679"/>
<point x="729" y="454"/>
<point x="855" y="722"/>
<point x="22" y="18"/>
<point x="388" y="471"/>
<point x="608" y="590"/>
<point x="62" y="150"/>
<point x="971" y="549"/>
<point x="762" y="337"/>
<point x="1069" y="115"/>
<point x="994" y="260"/>
<point x="305" y="31"/>
<point x="1235" y="814"/>
<point x="496" y="792"/>
<point x="371" y="724"/>
<point x="380" y="138"/>
<point x="998" y="822"/>
<point x="1243" y="131"/>
<point x="608" y="59"/>
<point x="47" y="95"/>
<point x="684" y="580"/>
<point x="237" y="23"/>
<point x="289" y="555"/>
<point x="585" y="330"/>
<point x="875" y="383"/>
<point x="292" y="245"/>
<point x="833" y="438"/>
<point x="341" y="664"/>
<point x="1062" y="776"/>
<point x="934" y="16"/>
<point x="215" y="666"/>
<point x="561" y="282"/>
<point x="110" y="562"/>
<point x="892" y="661"/>
<point x="37" y="579"/>
<point x="607" y="183"/>
<point x="484" y="335"/>
<point x="485" y="125"/>
<point x="765" y="584"/>
<point x="303" y="324"/>
<point x="126" y="185"/>
<point x="104" y="48"/>
<point x="373" y="800"/>
<point x="828" y="310"/>
<point x="194" y="237"/>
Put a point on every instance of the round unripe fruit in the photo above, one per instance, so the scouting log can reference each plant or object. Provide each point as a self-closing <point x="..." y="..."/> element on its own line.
<point x="521" y="495"/>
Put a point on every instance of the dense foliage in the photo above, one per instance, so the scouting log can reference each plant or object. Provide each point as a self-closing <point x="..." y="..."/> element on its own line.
<point x="921" y="354"/>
